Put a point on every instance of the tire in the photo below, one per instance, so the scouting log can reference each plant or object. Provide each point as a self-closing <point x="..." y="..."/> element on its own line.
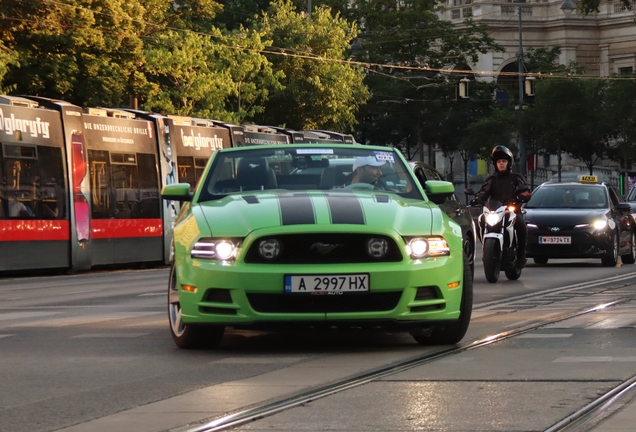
<point x="469" y="255"/>
<point x="611" y="259"/>
<point x="513" y="273"/>
<point x="630" y="258"/>
<point x="540" y="260"/>
<point x="492" y="265"/>
<point x="452" y="333"/>
<point x="188" y="336"/>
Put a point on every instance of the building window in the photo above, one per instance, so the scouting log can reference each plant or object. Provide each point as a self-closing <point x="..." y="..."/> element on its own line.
<point x="467" y="12"/>
<point x="628" y="70"/>
<point x="455" y="14"/>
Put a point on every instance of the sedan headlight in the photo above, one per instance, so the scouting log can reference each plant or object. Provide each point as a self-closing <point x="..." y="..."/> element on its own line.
<point x="599" y="224"/>
<point x="215" y="249"/>
<point x="425" y="247"/>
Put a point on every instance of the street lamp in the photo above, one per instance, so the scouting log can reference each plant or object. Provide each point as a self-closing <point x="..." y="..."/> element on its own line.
<point x="567" y="7"/>
<point x="523" y="151"/>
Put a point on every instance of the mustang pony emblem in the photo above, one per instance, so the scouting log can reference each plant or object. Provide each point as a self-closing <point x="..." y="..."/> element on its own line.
<point x="324" y="248"/>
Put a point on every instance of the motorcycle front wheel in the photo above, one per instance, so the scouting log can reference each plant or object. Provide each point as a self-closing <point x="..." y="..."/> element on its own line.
<point x="492" y="259"/>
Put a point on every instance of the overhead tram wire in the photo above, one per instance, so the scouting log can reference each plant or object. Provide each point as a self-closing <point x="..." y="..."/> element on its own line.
<point x="365" y="65"/>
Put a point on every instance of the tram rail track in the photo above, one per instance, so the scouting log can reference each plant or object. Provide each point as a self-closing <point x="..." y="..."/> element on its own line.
<point x="255" y="413"/>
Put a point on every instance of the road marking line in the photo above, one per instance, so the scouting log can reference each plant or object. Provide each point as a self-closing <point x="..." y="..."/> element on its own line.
<point x="21" y="315"/>
<point x="109" y="335"/>
<point x="546" y="335"/>
<point x="6" y="335"/>
<point x="257" y="360"/>
<point x="594" y="359"/>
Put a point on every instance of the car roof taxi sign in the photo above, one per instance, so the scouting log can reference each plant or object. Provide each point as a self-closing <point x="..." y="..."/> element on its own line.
<point x="588" y="179"/>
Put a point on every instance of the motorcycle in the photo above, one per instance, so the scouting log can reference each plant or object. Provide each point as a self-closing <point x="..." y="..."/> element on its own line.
<point x="499" y="238"/>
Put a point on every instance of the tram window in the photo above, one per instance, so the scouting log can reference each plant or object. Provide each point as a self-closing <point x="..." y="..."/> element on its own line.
<point x="186" y="170"/>
<point x="124" y="185"/>
<point x="199" y="167"/>
<point x="149" y="204"/>
<point x="52" y="192"/>
<point x="99" y="163"/>
<point x="32" y="182"/>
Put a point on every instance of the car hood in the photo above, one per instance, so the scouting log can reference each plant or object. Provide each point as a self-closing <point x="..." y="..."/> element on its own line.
<point x="240" y="214"/>
<point x="562" y="217"/>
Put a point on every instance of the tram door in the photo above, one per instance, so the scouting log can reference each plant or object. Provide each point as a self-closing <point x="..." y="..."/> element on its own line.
<point x="34" y="220"/>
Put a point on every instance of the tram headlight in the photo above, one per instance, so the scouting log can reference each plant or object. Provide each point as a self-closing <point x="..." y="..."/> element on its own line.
<point x="215" y="249"/>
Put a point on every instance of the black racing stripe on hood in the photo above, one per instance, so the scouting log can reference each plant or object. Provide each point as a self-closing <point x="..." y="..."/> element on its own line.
<point x="296" y="209"/>
<point x="345" y="208"/>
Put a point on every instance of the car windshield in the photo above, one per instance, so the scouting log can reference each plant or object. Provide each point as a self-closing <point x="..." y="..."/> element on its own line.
<point x="306" y="168"/>
<point x="568" y="196"/>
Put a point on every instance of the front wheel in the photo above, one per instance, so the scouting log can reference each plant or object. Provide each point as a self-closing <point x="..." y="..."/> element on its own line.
<point x="450" y="334"/>
<point x="513" y="273"/>
<point x="186" y="336"/>
<point x="492" y="259"/>
<point x="630" y="258"/>
<point x="611" y="258"/>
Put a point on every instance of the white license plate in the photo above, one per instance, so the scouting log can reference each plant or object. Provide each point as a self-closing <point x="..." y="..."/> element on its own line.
<point x="555" y="240"/>
<point x="327" y="284"/>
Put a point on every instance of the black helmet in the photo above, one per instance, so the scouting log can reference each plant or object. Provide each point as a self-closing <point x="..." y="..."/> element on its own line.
<point x="501" y="152"/>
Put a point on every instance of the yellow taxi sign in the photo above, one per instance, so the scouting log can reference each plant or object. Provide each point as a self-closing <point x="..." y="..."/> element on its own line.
<point x="588" y="179"/>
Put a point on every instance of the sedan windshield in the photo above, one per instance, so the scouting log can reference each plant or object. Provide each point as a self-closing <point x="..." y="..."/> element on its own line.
<point x="307" y="168"/>
<point x="569" y="196"/>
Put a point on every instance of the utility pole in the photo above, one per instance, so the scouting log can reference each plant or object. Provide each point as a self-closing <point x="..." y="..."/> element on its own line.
<point x="523" y="151"/>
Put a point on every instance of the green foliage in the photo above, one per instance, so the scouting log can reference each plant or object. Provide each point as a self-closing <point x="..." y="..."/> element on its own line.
<point x="409" y="98"/>
<point x="320" y="90"/>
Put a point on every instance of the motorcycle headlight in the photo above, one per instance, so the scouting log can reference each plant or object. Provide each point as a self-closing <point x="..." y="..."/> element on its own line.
<point x="215" y="249"/>
<point x="492" y="219"/>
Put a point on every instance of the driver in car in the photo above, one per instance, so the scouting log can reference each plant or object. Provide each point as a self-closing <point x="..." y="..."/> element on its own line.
<point x="366" y="169"/>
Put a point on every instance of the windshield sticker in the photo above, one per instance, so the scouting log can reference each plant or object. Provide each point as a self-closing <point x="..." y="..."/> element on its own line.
<point x="314" y="151"/>
<point x="384" y="156"/>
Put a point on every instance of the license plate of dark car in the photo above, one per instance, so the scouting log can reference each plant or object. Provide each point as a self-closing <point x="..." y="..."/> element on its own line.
<point x="555" y="240"/>
<point x="327" y="284"/>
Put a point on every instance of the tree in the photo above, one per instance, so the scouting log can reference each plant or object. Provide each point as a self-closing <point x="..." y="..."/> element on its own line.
<point x="320" y="89"/>
<point x="408" y="95"/>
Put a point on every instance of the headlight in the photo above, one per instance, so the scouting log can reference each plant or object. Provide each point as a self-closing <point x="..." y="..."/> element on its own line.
<point x="423" y="247"/>
<point x="599" y="224"/>
<point x="531" y="226"/>
<point x="492" y="219"/>
<point x="216" y="249"/>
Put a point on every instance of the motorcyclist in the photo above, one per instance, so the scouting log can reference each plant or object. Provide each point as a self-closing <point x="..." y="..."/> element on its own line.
<point x="501" y="186"/>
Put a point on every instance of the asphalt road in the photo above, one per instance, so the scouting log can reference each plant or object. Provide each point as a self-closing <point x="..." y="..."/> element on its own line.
<point x="76" y="349"/>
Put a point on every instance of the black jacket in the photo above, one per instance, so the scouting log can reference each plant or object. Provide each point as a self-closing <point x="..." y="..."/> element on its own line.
<point x="500" y="187"/>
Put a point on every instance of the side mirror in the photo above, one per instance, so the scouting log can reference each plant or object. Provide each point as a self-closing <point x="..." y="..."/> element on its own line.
<point x="177" y="192"/>
<point x="522" y="188"/>
<point x="437" y="190"/>
<point x="469" y="191"/>
<point x="624" y="207"/>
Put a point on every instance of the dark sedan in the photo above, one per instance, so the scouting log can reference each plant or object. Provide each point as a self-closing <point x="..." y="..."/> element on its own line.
<point x="580" y="220"/>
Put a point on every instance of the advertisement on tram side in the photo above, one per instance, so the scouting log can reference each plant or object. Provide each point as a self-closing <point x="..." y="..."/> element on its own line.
<point x="194" y="146"/>
<point x="126" y="222"/>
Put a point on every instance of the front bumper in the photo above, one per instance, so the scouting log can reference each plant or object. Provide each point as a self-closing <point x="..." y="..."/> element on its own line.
<point x="585" y="243"/>
<point x="240" y="294"/>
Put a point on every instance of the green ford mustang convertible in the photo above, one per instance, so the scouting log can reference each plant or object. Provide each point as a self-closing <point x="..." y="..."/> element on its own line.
<point x="322" y="235"/>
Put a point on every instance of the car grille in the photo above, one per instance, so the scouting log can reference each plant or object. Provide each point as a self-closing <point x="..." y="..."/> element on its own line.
<point x="280" y="303"/>
<point x="324" y="248"/>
